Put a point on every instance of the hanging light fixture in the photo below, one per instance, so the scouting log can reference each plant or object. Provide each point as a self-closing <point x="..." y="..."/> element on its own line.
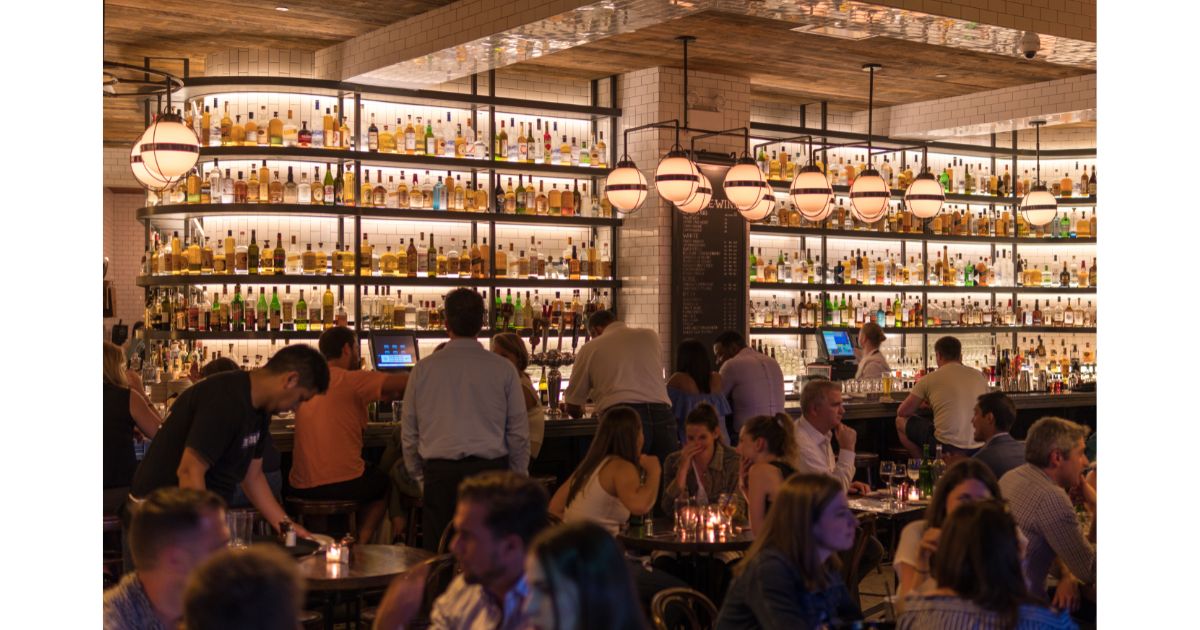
<point x="168" y="150"/>
<point x="811" y="192"/>
<point x="140" y="172"/>
<point x="762" y="209"/>
<point x="1040" y="207"/>
<point x="869" y="194"/>
<point x="700" y="198"/>
<point x="925" y="195"/>
<point x="676" y="178"/>
<point x="745" y="184"/>
<point x="625" y="186"/>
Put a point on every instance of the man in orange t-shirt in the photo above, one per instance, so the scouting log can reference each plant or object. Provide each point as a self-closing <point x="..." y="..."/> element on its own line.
<point x="327" y="457"/>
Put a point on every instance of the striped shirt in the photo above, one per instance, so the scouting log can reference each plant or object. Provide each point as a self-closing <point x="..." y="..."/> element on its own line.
<point x="1044" y="513"/>
<point x="127" y="607"/>
<point x="469" y="607"/>
<point x="943" y="612"/>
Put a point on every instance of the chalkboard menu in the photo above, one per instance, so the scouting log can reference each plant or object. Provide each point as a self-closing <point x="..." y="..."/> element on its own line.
<point x="709" y="267"/>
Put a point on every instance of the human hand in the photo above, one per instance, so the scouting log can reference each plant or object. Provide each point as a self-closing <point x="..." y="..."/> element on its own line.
<point x="858" y="487"/>
<point x="929" y="543"/>
<point x="135" y="380"/>
<point x="1066" y="596"/>
<point x="846" y="436"/>
<point x="301" y="532"/>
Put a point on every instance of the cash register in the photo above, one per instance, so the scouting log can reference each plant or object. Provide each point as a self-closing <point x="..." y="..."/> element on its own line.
<point x="393" y="351"/>
<point x="835" y="349"/>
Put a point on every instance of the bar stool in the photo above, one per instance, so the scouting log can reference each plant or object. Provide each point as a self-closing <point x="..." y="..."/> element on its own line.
<point x="304" y="508"/>
<point x="311" y="620"/>
<point x="870" y="461"/>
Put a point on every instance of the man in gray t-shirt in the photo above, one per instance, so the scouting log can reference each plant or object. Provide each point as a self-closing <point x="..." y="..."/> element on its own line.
<point x="951" y="391"/>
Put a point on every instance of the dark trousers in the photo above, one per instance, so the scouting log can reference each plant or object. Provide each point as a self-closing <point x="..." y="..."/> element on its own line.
<point x="659" y="427"/>
<point x="442" y="477"/>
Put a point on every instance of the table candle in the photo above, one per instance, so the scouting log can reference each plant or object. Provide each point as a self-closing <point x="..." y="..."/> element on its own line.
<point x="914" y="494"/>
<point x="333" y="555"/>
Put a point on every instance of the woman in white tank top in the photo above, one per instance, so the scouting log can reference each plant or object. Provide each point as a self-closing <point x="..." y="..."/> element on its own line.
<point x="608" y="485"/>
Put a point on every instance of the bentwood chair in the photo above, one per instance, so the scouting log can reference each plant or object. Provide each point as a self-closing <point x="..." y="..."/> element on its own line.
<point x="682" y="609"/>
<point x="440" y="571"/>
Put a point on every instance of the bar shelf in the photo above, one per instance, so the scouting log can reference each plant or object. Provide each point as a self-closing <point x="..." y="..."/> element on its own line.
<point x="189" y="211"/>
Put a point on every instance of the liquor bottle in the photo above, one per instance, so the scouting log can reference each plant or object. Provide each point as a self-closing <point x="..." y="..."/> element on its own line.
<point x="252" y="265"/>
<point x="430" y="140"/>
<point x="301" y="312"/>
<point x="373" y="135"/>
<point x="925" y="475"/>
<point x="410" y="137"/>
<point x="290" y="131"/>
<point x="278" y="255"/>
<point x="262" y="315"/>
<point x="314" y="137"/>
<point x="365" y="256"/>
<point x="568" y="202"/>
<point x="348" y="189"/>
<point x="600" y="152"/>
<point x="275" y="131"/>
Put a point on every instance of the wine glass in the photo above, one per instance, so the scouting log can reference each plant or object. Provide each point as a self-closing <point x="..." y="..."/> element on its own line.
<point x="887" y="470"/>
<point x="914" y="469"/>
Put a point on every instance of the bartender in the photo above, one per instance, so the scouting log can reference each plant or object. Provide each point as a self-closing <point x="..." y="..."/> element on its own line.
<point x="871" y="363"/>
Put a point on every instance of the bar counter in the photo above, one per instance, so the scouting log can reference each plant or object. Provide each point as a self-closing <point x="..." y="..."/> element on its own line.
<point x="1080" y="407"/>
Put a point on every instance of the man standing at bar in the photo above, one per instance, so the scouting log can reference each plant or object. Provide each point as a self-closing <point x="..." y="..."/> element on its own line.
<point x="215" y="435"/>
<point x="327" y="461"/>
<point x="623" y="366"/>
<point x="751" y="380"/>
<point x="464" y="413"/>
<point x="951" y="390"/>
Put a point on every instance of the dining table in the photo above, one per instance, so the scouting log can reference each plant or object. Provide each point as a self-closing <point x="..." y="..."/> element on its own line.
<point x="371" y="567"/>
<point x="701" y="552"/>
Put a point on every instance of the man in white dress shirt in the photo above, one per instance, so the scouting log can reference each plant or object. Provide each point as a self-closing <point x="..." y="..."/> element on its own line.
<point x="821" y="404"/>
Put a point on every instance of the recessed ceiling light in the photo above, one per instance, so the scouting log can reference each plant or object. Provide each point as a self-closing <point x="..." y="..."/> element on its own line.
<point x="282" y="9"/>
<point x="940" y="76"/>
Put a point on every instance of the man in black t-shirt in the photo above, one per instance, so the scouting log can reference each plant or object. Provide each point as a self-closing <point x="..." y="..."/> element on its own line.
<point x="215" y="434"/>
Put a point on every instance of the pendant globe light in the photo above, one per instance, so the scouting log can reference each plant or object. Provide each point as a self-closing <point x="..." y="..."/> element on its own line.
<point x="140" y="172"/>
<point x="811" y="192"/>
<point x="745" y="184"/>
<point x="925" y="195"/>
<point x="676" y="178"/>
<point x="869" y="194"/>
<point x="700" y="198"/>
<point x="625" y="186"/>
<point x="168" y="149"/>
<point x="1040" y="207"/>
<point x="762" y="210"/>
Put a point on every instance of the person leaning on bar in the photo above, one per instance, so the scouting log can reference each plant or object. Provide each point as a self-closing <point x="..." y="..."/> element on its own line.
<point x="623" y="366"/>
<point x="216" y="433"/>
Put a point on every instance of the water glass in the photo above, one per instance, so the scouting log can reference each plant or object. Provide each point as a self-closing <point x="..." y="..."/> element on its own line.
<point x="240" y="524"/>
<point x="683" y="508"/>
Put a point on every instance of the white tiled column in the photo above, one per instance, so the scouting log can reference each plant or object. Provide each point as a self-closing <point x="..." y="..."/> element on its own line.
<point x="645" y="265"/>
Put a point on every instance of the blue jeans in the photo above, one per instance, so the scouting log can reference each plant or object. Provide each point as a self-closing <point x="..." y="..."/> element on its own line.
<point x="659" y="427"/>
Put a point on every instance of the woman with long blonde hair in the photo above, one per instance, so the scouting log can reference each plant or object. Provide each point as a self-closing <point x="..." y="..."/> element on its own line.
<point x="789" y="578"/>
<point x="125" y="409"/>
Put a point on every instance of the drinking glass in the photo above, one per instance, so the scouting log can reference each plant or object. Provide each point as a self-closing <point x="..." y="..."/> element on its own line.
<point x="239" y="522"/>
<point x="887" y="471"/>
<point x="682" y="507"/>
<point x="897" y="493"/>
<point x="914" y="469"/>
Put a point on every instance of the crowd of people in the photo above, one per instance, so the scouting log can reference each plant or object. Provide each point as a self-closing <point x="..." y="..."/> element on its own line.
<point x="1003" y="518"/>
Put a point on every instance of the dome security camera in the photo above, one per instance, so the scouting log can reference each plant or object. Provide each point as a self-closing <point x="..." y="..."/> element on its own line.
<point x="1030" y="45"/>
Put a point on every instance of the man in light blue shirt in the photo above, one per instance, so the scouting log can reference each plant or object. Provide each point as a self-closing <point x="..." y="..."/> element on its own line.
<point x="464" y="413"/>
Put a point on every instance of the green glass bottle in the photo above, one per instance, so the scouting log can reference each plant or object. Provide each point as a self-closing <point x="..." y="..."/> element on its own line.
<point x="260" y="310"/>
<point x="301" y="312"/>
<point x="252" y="254"/>
<point x="276" y="320"/>
<point x="925" y="478"/>
<point x="237" y="310"/>
<point x="214" y="319"/>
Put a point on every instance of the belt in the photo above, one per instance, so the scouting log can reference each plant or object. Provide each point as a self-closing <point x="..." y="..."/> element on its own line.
<point x="648" y="405"/>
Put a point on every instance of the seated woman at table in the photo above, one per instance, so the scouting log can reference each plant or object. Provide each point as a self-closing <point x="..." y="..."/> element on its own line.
<point x="789" y="578"/>
<point x="695" y="383"/>
<point x="126" y="411"/>
<point x="512" y="347"/>
<point x="767" y="445"/>
<point x="705" y="467"/>
<point x="967" y="481"/>
<point x="607" y="486"/>
<point x="577" y="580"/>
<point x="980" y="584"/>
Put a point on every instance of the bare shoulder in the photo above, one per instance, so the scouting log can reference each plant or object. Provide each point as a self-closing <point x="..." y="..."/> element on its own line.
<point x="683" y="382"/>
<point x="716" y="381"/>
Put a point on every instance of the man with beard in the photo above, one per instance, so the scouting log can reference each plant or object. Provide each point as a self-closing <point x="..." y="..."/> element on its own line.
<point x="327" y="461"/>
<point x="497" y="516"/>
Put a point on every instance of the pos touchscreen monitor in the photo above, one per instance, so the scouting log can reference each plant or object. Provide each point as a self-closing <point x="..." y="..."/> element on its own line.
<point x="836" y="344"/>
<point x="393" y="351"/>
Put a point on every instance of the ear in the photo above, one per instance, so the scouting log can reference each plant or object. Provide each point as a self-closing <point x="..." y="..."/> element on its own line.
<point x="291" y="379"/>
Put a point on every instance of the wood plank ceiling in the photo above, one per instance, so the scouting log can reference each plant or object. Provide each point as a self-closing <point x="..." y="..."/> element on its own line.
<point x="794" y="67"/>
<point x="782" y="65"/>
<point x="134" y="29"/>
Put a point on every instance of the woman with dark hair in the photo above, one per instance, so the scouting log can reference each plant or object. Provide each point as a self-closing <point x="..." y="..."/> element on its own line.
<point x="967" y="481"/>
<point x="705" y="467"/>
<point x="512" y="347"/>
<point x="767" y="445"/>
<point x="693" y="383"/>
<point x="126" y="411"/>
<point x="607" y="486"/>
<point x="789" y="578"/>
<point x="978" y="573"/>
<point x="578" y="580"/>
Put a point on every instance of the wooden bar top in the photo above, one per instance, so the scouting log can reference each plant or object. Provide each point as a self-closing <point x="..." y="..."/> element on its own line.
<point x="377" y="434"/>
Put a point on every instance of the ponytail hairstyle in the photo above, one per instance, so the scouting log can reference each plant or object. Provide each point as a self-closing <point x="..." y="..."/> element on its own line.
<point x="779" y="433"/>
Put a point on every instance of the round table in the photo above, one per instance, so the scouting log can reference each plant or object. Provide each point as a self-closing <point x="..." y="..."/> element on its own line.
<point x="665" y="538"/>
<point x="370" y="567"/>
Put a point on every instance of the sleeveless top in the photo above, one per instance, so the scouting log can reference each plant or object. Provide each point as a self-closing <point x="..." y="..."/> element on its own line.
<point x="117" y="438"/>
<point x="682" y="403"/>
<point x="786" y="470"/>
<point x="593" y="504"/>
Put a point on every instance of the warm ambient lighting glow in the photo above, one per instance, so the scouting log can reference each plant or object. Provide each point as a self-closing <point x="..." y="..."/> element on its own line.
<point x="168" y="150"/>
<point x="1039" y="205"/>
<point x="762" y="210"/>
<point x="676" y="178"/>
<point x="700" y="199"/>
<point x="924" y="196"/>
<point x="745" y="184"/>
<point x="626" y="187"/>
<point x="869" y="196"/>
<point x="811" y="193"/>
